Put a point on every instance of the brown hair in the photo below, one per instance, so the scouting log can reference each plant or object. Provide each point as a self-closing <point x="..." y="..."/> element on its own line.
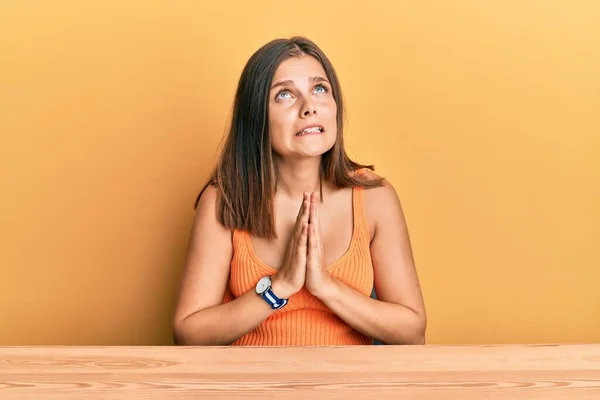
<point x="245" y="175"/>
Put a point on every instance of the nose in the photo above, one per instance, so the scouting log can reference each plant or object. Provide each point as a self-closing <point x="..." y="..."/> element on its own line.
<point x="308" y="108"/>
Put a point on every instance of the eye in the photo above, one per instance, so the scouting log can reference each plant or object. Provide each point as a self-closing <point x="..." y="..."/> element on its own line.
<point x="282" y="91"/>
<point x="325" y="88"/>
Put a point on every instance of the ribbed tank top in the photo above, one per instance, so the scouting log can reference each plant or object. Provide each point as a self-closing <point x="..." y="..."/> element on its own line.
<point x="305" y="320"/>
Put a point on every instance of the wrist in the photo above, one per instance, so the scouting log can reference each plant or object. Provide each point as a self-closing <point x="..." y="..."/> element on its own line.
<point x="281" y="289"/>
<point x="327" y="290"/>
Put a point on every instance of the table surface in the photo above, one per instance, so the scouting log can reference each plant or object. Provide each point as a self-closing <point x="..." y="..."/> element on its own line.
<point x="543" y="371"/>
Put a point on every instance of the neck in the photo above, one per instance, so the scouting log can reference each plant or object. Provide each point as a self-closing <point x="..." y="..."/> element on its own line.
<point x="296" y="176"/>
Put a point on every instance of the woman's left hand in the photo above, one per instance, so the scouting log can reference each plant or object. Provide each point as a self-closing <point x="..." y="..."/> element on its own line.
<point x="318" y="279"/>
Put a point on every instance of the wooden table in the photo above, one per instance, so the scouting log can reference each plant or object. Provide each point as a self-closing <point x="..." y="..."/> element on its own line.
<point x="377" y="372"/>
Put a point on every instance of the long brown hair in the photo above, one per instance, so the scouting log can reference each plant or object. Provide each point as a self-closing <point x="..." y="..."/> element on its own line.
<point x="245" y="174"/>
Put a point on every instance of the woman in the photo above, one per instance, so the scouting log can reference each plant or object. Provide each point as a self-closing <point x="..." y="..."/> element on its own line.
<point x="290" y="235"/>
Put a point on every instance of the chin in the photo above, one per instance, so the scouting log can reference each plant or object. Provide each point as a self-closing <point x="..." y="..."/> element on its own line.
<point x="316" y="151"/>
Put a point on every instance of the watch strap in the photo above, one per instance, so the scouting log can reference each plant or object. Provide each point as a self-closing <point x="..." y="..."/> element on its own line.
<point x="274" y="301"/>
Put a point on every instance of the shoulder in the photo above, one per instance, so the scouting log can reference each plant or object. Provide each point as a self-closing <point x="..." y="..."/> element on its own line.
<point x="206" y="211"/>
<point x="380" y="203"/>
<point x="385" y="192"/>
<point x="207" y="201"/>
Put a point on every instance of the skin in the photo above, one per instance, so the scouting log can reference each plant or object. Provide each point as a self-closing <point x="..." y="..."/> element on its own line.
<point x="311" y="234"/>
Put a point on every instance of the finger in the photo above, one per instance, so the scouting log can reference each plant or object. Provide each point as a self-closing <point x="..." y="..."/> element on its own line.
<point x="312" y="239"/>
<point x="302" y="242"/>
<point x="301" y="213"/>
<point x="317" y="225"/>
<point x="311" y="211"/>
<point x="302" y="206"/>
<point x="315" y="215"/>
<point x="305" y="215"/>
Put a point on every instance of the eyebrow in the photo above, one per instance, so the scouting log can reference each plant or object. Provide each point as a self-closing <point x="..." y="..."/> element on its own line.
<point x="313" y="79"/>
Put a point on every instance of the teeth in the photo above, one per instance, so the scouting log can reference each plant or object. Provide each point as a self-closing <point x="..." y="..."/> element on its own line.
<point x="309" y="130"/>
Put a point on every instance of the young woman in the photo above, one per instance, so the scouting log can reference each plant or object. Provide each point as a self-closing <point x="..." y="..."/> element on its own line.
<point x="290" y="235"/>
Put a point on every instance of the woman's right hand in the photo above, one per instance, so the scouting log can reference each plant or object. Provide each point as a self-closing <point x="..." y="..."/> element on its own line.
<point x="289" y="279"/>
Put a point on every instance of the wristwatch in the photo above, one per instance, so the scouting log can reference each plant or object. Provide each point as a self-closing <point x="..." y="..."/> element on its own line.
<point x="263" y="288"/>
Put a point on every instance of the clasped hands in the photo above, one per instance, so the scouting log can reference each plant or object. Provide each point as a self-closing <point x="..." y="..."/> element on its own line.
<point x="304" y="261"/>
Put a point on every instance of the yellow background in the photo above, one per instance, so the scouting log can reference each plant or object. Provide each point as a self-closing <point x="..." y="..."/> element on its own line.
<point x="483" y="115"/>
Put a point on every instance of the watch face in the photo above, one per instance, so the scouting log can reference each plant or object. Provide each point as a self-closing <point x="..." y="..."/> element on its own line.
<point x="263" y="285"/>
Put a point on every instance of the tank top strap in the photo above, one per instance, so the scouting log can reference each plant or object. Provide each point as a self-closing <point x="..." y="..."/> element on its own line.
<point x="362" y="227"/>
<point x="239" y="239"/>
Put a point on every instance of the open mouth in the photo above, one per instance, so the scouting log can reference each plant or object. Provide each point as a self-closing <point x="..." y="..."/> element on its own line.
<point x="311" y="131"/>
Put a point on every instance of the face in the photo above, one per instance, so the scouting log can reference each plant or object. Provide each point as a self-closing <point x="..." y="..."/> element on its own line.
<point x="301" y="97"/>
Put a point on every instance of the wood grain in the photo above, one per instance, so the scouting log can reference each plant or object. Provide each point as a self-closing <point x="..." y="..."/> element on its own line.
<point x="359" y="372"/>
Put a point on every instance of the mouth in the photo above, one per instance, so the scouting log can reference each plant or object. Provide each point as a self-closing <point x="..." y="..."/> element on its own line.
<point x="311" y="130"/>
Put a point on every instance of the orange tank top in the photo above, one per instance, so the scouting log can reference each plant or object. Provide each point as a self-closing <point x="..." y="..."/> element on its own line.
<point x="305" y="320"/>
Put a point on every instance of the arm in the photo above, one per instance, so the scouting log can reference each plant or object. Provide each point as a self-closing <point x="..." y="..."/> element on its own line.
<point x="200" y="318"/>
<point x="398" y="315"/>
